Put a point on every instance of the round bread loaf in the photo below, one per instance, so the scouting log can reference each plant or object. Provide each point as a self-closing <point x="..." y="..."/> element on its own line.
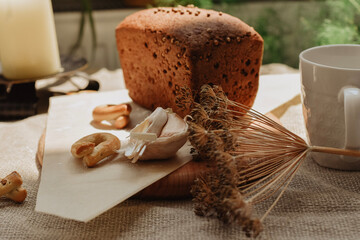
<point x="164" y="49"/>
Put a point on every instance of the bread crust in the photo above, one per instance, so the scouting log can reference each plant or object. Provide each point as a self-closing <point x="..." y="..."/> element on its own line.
<point x="164" y="49"/>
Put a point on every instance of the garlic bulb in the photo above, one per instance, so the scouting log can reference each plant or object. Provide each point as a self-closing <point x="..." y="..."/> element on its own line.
<point x="159" y="136"/>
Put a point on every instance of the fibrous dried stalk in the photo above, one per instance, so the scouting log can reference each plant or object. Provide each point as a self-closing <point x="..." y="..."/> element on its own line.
<point x="252" y="158"/>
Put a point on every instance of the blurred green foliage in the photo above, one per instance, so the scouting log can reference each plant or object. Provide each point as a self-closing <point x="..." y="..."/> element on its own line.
<point x="330" y="22"/>
<point x="267" y="25"/>
<point x="339" y="23"/>
<point x="174" y="3"/>
<point x="86" y="15"/>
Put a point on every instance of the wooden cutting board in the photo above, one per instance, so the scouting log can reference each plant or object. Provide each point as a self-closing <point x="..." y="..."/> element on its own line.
<point x="176" y="185"/>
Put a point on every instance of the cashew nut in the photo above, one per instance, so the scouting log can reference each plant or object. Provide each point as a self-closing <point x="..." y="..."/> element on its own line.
<point x="95" y="147"/>
<point x="10" y="187"/>
<point x="118" y="115"/>
<point x="121" y="122"/>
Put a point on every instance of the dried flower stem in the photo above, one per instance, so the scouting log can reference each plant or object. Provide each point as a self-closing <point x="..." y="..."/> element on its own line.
<point x="252" y="158"/>
<point x="284" y="188"/>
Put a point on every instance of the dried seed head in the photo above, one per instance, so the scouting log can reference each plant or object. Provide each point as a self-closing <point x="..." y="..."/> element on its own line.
<point x="207" y="96"/>
<point x="199" y="115"/>
<point x="198" y="136"/>
<point x="184" y="98"/>
<point x="220" y="93"/>
<point x="239" y="144"/>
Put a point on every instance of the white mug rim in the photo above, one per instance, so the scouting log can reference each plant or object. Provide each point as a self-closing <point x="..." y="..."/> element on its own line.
<point x="302" y="58"/>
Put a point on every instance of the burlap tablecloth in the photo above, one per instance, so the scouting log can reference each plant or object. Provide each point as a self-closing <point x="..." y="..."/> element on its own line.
<point x="319" y="203"/>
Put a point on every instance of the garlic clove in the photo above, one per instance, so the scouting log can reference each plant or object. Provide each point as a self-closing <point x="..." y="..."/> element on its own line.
<point x="145" y="132"/>
<point x="172" y="138"/>
<point x="153" y="123"/>
<point x="159" y="136"/>
<point x="148" y="137"/>
<point x="174" y="125"/>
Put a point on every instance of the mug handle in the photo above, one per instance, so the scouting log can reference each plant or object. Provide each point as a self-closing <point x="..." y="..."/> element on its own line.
<point x="352" y="117"/>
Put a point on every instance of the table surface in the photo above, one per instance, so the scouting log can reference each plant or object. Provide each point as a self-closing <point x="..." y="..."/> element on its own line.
<point x="319" y="203"/>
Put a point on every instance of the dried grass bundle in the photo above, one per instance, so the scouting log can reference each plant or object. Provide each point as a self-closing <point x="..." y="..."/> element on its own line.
<point x="251" y="158"/>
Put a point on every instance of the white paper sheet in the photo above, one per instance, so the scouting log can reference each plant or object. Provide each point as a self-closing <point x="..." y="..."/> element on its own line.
<point x="71" y="190"/>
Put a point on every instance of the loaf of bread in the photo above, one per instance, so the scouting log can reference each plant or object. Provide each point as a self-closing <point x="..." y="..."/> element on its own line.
<point x="164" y="49"/>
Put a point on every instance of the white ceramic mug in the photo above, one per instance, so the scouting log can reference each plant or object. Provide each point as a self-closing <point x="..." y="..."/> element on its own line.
<point x="330" y="79"/>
